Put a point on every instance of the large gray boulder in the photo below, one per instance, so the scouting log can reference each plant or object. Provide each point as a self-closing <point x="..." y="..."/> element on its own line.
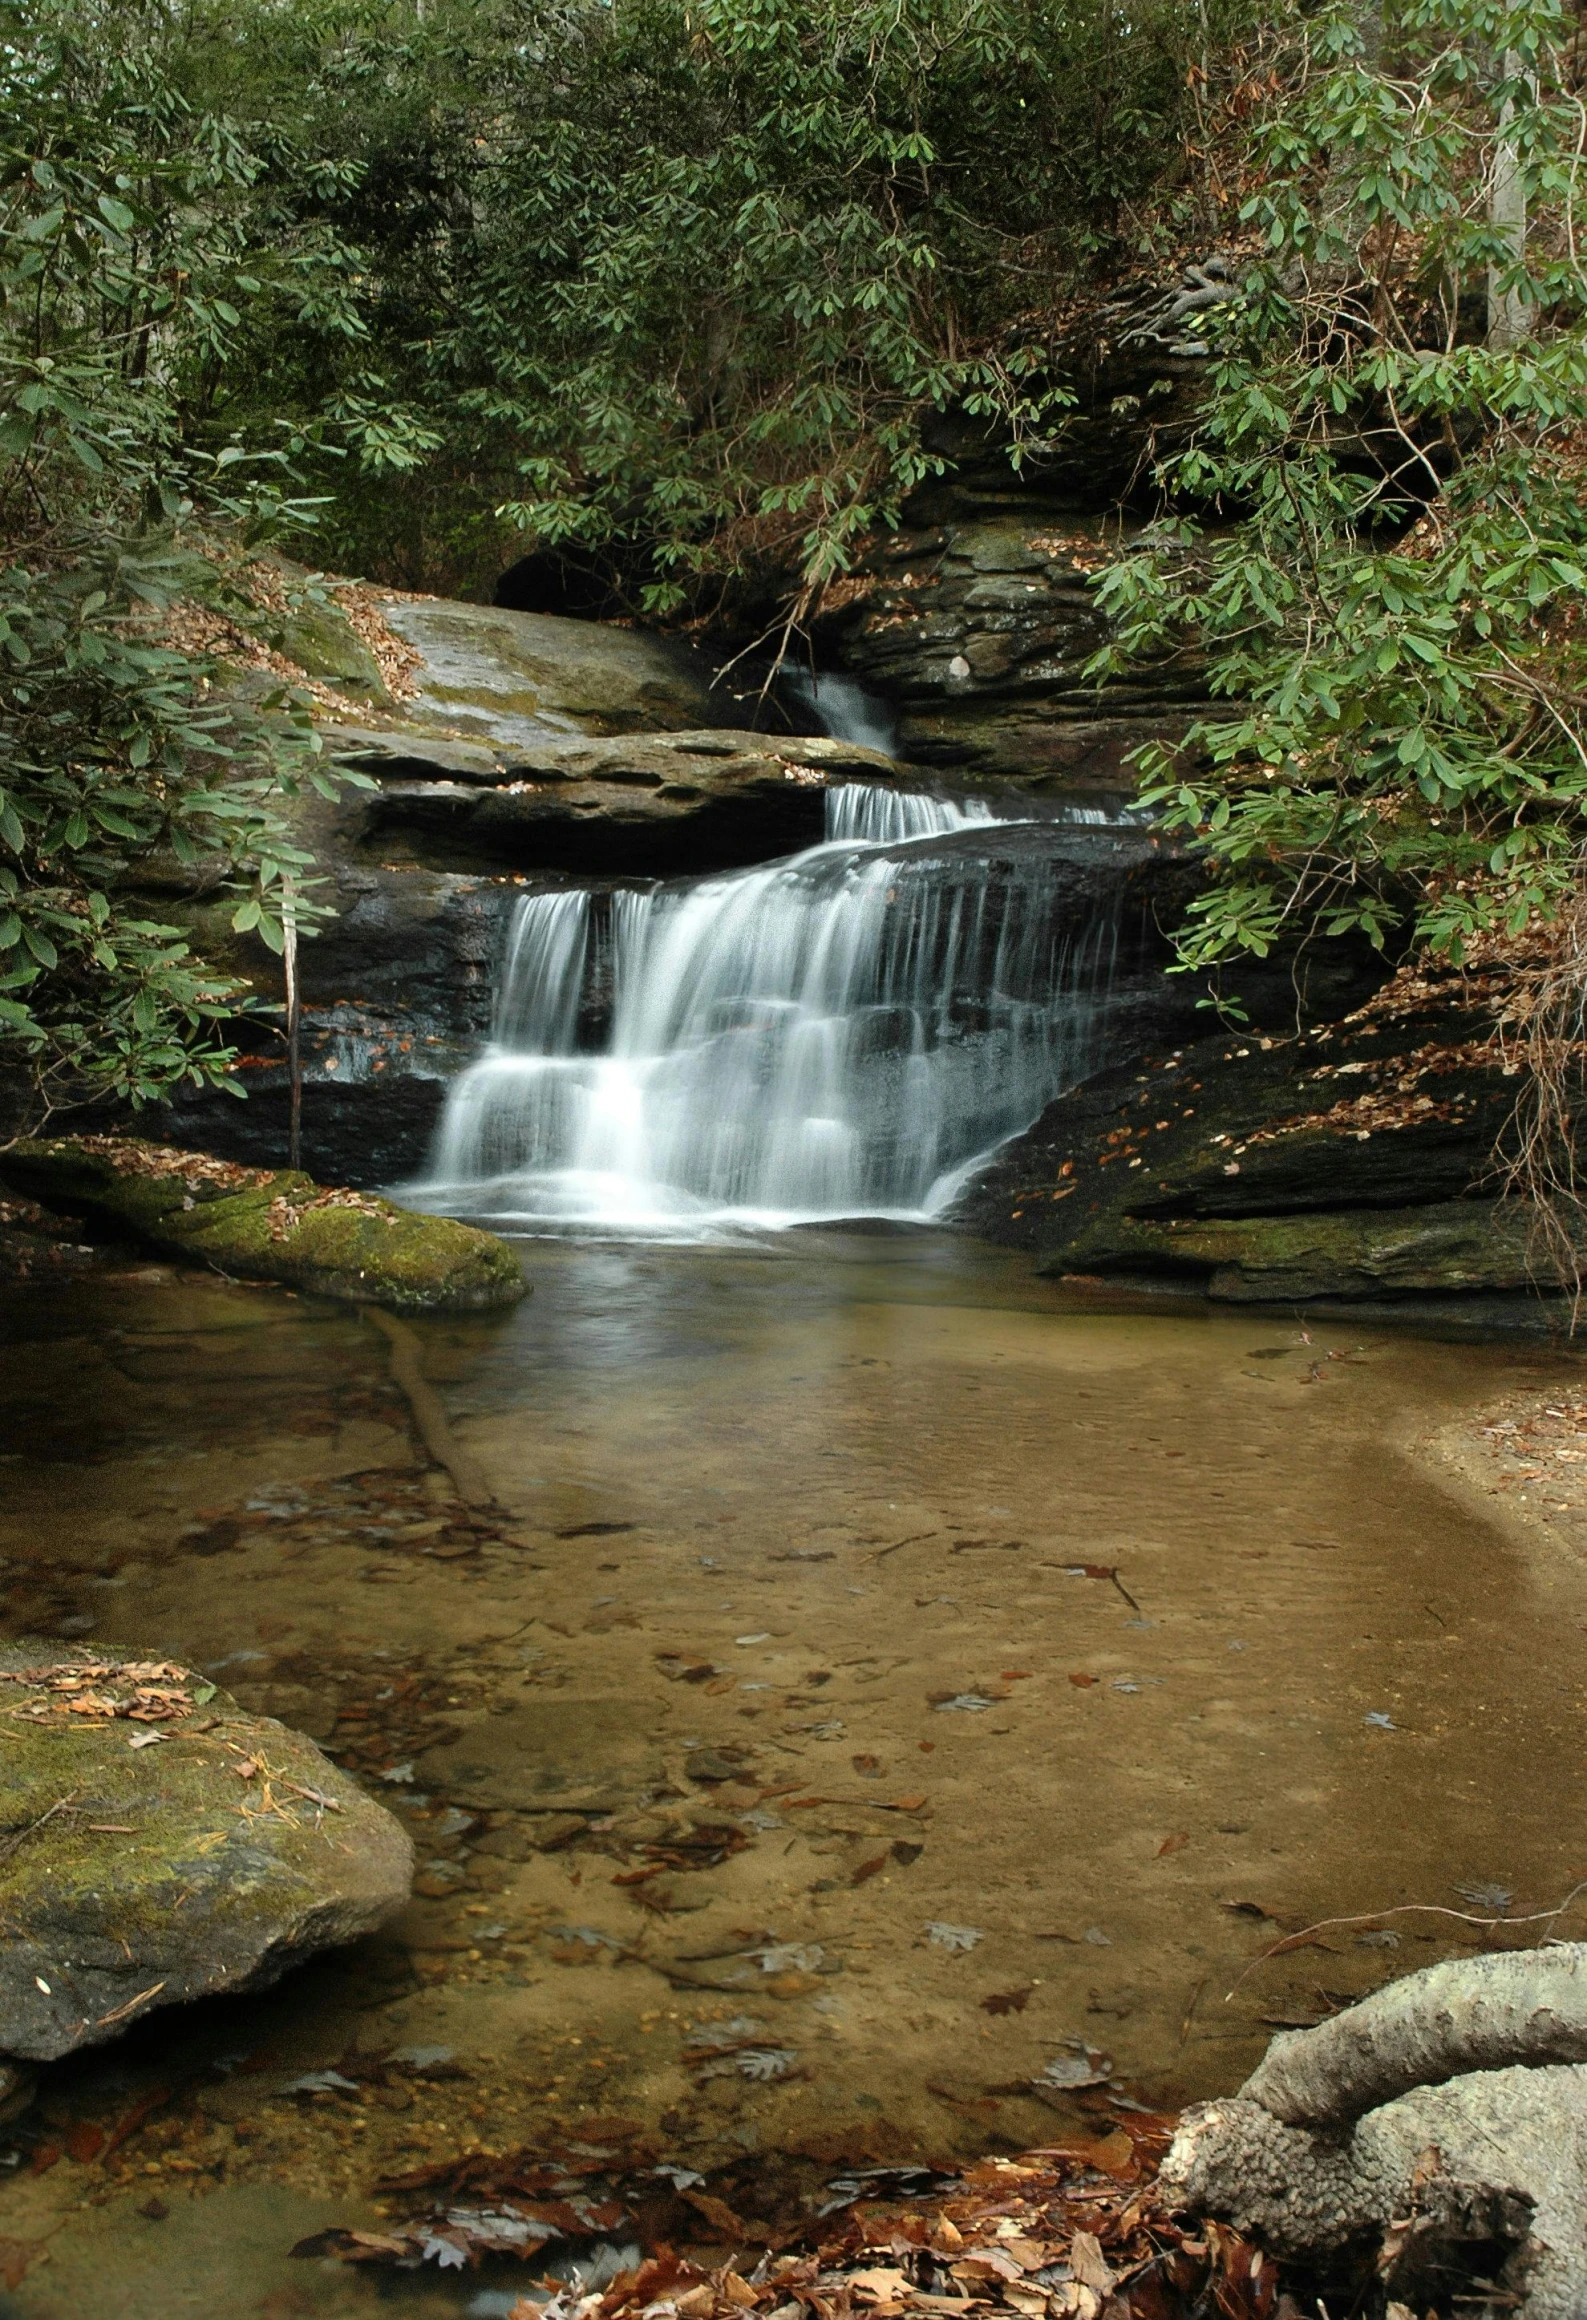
<point x="158" y="1844"/>
<point x="514" y="677"/>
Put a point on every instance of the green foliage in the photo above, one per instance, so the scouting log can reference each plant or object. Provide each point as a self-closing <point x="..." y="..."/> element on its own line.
<point x="132" y="242"/>
<point x="1387" y="569"/>
<point x="675" y="281"/>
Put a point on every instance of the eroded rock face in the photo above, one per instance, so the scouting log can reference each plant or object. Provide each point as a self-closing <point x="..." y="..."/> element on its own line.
<point x="162" y="1845"/>
<point x="1354" y="1163"/>
<point x="979" y="629"/>
<point x="660" y="805"/>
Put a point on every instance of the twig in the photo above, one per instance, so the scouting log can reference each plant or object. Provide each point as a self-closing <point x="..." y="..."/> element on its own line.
<point x="121" y="2012"/>
<point x="21" y="1836"/>
<point x="913" y="1539"/>
<point x="1403" y="1909"/>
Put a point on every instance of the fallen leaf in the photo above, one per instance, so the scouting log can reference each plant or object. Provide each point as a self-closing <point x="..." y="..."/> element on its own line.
<point x="16" y="2255"/>
<point x="717" y="2213"/>
<point x="882" y="2284"/>
<point x="1084" y="1683"/>
<point x="1008" y="2001"/>
<point x="1172" y="1844"/>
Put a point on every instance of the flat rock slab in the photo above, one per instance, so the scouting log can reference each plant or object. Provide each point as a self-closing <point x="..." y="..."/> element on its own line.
<point x="272" y="1225"/>
<point x="157" y="1844"/>
<point x="517" y="676"/>
<point x="650" y="804"/>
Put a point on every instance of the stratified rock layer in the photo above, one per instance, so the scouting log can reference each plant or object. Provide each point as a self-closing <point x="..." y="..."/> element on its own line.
<point x="157" y="1844"/>
<point x="267" y="1225"/>
<point x="1354" y="1163"/>
<point x="979" y="630"/>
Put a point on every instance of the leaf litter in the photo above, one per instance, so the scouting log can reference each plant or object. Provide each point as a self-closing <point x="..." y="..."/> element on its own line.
<point x="1071" y="2231"/>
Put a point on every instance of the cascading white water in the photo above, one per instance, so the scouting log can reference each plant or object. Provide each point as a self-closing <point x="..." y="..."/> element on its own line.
<point x="836" y="1035"/>
<point x="843" y="705"/>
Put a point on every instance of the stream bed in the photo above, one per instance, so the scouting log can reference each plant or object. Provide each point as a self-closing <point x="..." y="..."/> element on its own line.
<point x="899" y="1705"/>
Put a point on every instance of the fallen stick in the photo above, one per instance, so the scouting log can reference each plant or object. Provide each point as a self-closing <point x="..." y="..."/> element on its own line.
<point x="430" y="1418"/>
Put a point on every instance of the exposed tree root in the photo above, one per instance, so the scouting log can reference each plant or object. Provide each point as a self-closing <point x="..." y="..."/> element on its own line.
<point x="1433" y="2135"/>
<point x="1527" y="2006"/>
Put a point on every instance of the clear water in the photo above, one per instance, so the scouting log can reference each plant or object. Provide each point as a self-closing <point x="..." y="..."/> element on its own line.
<point x="799" y="1505"/>
<point x="841" y="1034"/>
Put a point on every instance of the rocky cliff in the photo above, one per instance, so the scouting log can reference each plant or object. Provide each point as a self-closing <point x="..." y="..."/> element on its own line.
<point x="1350" y="1163"/>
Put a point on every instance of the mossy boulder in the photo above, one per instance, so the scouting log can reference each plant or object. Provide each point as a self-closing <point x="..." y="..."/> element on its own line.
<point x="158" y="1844"/>
<point x="323" y="641"/>
<point x="271" y="1225"/>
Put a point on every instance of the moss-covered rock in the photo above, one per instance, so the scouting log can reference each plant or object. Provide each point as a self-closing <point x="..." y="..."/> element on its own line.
<point x="157" y="1844"/>
<point x="1449" y="1247"/>
<point x="511" y="677"/>
<point x="322" y="640"/>
<point x="271" y="1225"/>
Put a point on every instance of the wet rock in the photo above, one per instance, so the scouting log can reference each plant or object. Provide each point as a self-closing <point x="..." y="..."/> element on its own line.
<point x="138" y="1869"/>
<point x="979" y="628"/>
<point x="17" y="2089"/>
<point x="272" y="1226"/>
<point x="658" y="805"/>
<point x="1354" y="1162"/>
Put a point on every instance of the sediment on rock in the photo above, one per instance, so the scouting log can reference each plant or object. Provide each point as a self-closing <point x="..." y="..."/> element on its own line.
<point x="267" y="1225"/>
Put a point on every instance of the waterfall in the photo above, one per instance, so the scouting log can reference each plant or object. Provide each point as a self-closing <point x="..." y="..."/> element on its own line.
<point x="863" y="811"/>
<point x="843" y="705"/>
<point x="840" y="1034"/>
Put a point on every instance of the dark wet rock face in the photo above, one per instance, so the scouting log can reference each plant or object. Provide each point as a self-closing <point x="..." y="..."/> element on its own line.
<point x="1353" y="1163"/>
<point x="664" y="805"/>
<point x="161" y="1845"/>
<point x="979" y="629"/>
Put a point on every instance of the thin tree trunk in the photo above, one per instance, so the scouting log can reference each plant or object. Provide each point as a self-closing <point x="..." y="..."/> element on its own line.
<point x="289" y="960"/>
<point x="1507" y="216"/>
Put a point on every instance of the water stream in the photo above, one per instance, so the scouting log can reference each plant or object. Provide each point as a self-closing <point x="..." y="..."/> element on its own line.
<point x="838" y="1035"/>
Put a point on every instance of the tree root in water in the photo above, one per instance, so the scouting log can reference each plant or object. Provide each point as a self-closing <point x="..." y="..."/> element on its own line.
<point x="430" y="1420"/>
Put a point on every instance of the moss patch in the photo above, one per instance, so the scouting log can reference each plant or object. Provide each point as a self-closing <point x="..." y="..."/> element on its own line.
<point x="159" y="1844"/>
<point x="272" y="1225"/>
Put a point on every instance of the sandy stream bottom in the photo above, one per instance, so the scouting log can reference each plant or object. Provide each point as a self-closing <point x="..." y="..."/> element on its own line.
<point x="781" y="1697"/>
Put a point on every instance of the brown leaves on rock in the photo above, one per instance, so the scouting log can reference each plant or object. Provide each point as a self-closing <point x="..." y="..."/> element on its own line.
<point x="155" y="1691"/>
